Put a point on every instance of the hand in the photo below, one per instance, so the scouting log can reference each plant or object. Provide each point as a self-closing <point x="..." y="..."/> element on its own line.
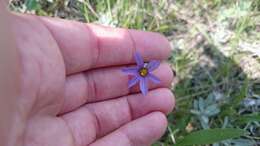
<point x="73" y="92"/>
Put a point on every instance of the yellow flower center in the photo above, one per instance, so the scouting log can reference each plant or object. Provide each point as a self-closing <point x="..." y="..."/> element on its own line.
<point x="143" y="72"/>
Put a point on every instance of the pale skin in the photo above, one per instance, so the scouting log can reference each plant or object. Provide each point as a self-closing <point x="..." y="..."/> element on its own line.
<point x="62" y="84"/>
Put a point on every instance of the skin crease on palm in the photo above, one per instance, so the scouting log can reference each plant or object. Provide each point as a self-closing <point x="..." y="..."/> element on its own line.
<point x="72" y="90"/>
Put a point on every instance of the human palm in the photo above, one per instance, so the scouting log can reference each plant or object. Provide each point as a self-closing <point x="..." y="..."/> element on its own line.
<point x="73" y="92"/>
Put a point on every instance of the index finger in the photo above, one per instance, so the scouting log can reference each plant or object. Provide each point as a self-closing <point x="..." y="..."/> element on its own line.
<point x="86" y="46"/>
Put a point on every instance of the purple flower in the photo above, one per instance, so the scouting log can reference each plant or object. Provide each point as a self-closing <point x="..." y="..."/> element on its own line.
<point x="142" y="73"/>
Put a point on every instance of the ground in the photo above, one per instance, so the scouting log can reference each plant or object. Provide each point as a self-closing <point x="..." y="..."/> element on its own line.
<point x="215" y="53"/>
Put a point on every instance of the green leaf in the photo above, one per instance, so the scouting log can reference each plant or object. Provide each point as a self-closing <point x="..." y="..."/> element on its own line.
<point x="242" y="93"/>
<point x="209" y="136"/>
<point x="248" y="118"/>
<point x="31" y="4"/>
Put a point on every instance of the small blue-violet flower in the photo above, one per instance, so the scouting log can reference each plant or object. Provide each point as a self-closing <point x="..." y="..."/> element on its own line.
<point x="142" y="73"/>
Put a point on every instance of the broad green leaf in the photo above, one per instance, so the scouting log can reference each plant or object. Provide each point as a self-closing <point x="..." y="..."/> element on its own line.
<point x="209" y="136"/>
<point x="31" y="4"/>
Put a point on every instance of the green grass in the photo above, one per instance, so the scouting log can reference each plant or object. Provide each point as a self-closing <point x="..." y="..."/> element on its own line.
<point x="214" y="54"/>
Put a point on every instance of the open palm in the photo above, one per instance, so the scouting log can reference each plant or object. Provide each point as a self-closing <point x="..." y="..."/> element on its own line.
<point x="73" y="91"/>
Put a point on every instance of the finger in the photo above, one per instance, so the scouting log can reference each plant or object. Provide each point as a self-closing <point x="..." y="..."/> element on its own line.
<point x="107" y="83"/>
<point x="86" y="46"/>
<point x="141" y="132"/>
<point x="114" y="113"/>
<point x="108" y="116"/>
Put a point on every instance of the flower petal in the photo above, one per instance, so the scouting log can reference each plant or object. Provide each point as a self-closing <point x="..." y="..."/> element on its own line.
<point x="132" y="82"/>
<point x="153" y="78"/>
<point x="152" y="65"/>
<point x="139" y="60"/>
<point x="130" y="70"/>
<point x="143" y="86"/>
